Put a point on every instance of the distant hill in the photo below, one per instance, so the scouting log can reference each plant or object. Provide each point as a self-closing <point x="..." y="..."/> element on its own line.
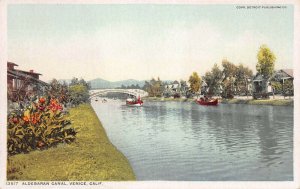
<point x="99" y="83"/>
<point x="102" y="84"/>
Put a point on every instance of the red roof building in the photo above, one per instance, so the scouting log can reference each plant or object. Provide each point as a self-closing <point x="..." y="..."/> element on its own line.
<point x="21" y="84"/>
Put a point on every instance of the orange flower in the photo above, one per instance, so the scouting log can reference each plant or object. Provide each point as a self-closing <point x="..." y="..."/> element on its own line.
<point x="42" y="100"/>
<point x="35" y="118"/>
<point x="26" y="118"/>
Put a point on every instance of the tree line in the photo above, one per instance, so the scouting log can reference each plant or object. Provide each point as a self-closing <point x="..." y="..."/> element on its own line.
<point x="228" y="80"/>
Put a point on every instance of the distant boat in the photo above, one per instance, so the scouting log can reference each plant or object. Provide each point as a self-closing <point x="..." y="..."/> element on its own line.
<point x="208" y="102"/>
<point x="134" y="102"/>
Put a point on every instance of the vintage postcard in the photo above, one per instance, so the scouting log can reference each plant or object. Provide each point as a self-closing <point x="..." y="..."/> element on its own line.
<point x="130" y="94"/>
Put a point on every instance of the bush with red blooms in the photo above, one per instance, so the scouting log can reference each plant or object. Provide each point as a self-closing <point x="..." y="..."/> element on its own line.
<point x="39" y="126"/>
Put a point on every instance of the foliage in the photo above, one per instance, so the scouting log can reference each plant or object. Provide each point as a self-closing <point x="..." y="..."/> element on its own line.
<point x="154" y="87"/>
<point x="78" y="94"/>
<point x="132" y="86"/>
<point x="288" y="88"/>
<point x="277" y="86"/>
<point x="184" y="89"/>
<point x="228" y="87"/>
<point x="38" y="126"/>
<point x="229" y="69"/>
<point x="92" y="157"/>
<point x="76" y="81"/>
<point x="243" y="79"/>
<point x="213" y="80"/>
<point x="195" y="82"/>
<point x="59" y="91"/>
<point x="79" y="91"/>
<point x="266" y="61"/>
<point x="229" y="76"/>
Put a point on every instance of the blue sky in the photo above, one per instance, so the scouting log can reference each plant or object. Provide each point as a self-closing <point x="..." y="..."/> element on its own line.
<point x="130" y="41"/>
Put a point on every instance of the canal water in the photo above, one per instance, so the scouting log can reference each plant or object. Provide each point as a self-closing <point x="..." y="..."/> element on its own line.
<point x="187" y="142"/>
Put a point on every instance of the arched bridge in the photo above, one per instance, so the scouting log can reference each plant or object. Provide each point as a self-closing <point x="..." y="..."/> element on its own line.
<point x="133" y="92"/>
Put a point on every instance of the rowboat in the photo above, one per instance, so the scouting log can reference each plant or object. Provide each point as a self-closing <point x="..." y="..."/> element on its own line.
<point x="211" y="102"/>
<point x="134" y="102"/>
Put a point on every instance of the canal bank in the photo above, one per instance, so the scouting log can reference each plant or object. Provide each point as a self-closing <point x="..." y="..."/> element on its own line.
<point x="273" y="102"/>
<point x="91" y="157"/>
<point x="250" y="101"/>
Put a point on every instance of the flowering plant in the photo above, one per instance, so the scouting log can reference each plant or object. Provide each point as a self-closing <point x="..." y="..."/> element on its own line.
<point x="40" y="125"/>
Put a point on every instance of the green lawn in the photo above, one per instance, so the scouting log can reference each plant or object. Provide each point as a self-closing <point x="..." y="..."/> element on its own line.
<point x="90" y="157"/>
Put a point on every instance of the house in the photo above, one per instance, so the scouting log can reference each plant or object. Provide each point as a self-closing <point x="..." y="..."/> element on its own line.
<point x="284" y="78"/>
<point x="261" y="87"/>
<point x="283" y="75"/>
<point x="22" y="84"/>
<point x="171" y="89"/>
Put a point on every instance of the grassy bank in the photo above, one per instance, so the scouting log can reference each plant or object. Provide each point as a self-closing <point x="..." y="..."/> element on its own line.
<point x="273" y="102"/>
<point x="90" y="157"/>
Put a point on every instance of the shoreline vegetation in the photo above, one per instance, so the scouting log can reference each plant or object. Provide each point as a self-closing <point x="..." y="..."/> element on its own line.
<point x="91" y="157"/>
<point x="272" y="102"/>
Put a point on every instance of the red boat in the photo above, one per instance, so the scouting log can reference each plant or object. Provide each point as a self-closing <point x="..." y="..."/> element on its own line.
<point x="210" y="102"/>
<point x="134" y="102"/>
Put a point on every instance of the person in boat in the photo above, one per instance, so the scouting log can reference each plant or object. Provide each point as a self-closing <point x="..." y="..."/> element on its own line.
<point x="205" y="98"/>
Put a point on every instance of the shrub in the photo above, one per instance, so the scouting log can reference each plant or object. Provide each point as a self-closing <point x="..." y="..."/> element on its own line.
<point x="78" y="94"/>
<point x="39" y="126"/>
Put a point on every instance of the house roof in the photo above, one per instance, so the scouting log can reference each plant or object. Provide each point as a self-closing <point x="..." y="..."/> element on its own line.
<point x="26" y="72"/>
<point x="258" y="77"/>
<point x="11" y="63"/>
<point x="30" y="73"/>
<point x="283" y="74"/>
<point x="21" y="75"/>
<point x="289" y="72"/>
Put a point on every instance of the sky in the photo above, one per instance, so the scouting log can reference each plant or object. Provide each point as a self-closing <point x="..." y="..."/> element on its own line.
<point x="141" y="41"/>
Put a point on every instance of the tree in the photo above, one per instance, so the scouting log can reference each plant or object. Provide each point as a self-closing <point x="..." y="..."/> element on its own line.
<point x="288" y="88"/>
<point x="266" y="61"/>
<point x="59" y="91"/>
<point x="184" y="88"/>
<point x="79" y="91"/>
<point x="229" y="69"/>
<point x="154" y="87"/>
<point x="213" y="80"/>
<point x="195" y="82"/>
<point x="229" y="77"/>
<point x="243" y="76"/>
<point x="79" y="94"/>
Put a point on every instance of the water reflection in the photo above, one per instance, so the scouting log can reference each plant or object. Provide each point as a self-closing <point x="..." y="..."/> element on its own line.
<point x="185" y="141"/>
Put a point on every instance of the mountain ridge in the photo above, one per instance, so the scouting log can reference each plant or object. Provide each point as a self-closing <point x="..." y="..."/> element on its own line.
<point x="100" y="83"/>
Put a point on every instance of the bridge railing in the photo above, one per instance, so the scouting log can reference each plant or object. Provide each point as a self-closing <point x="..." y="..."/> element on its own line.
<point x="134" y="92"/>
